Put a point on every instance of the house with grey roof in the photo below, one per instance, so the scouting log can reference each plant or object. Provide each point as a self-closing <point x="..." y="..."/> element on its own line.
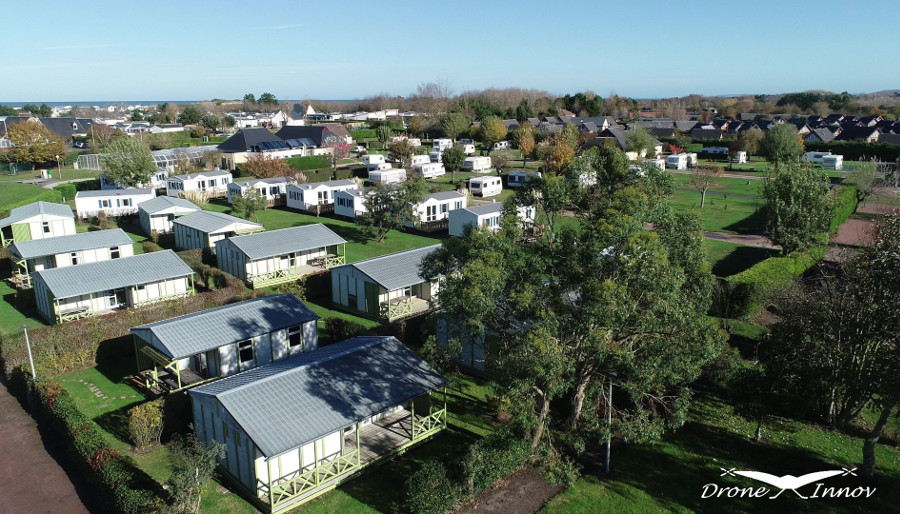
<point x="434" y="210"/>
<point x="112" y="202"/>
<point x="279" y="256"/>
<point x="211" y="183"/>
<point x="74" y="250"/>
<point x="39" y="220"/>
<point x="159" y="213"/>
<point x="274" y="189"/>
<point x="351" y="203"/>
<point x="385" y="288"/>
<point x="821" y="134"/>
<point x="181" y="352"/>
<point x="201" y="229"/>
<point x="486" y="216"/>
<point x="76" y="292"/>
<point x="295" y="428"/>
<point x="317" y="197"/>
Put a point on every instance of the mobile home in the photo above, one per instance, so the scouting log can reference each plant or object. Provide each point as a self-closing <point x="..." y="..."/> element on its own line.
<point x="485" y="215"/>
<point x="477" y="164"/>
<point x="350" y="203"/>
<point x="429" y="170"/>
<point x="517" y="179"/>
<point x="39" y="220"/>
<point x="316" y="196"/>
<point x="113" y="202"/>
<point x="436" y="207"/>
<point x="678" y="161"/>
<point x="199" y="230"/>
<point x="272" y="189"/>
<point x="389" y="176"/>
<point x="159" y="213"/>
<point x="442" y="144"/>
<point x="486" y="186"/>
<point x="213" y="183"/>
<point x="833" y="162"/>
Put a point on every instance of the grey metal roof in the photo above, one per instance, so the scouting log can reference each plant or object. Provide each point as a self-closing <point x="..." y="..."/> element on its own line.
<point x="161" y="203"/>
<point x="285" y="241"/>
<point x="255" y="181"/>
<point x="34" y="209"/>
<point x="114" y="192"/>
<point x="114" y="274"/>
<point x="330" y="183"/>
<point x="291" y="402"/>
<point x="395" y="270"/>
<point x="485" y="208"/>
<point x="444" y="195"/>
<point x="213" y="173"/>
<point x="206" y="330"/>
<point x="73" y="243"/>
<point x="209" y="221"/>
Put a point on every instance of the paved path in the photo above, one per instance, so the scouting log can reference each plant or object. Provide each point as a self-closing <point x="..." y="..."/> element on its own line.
<point x="740" y="239"/>
<point x="720" y="193"/>
<point x="50" y="183"/>
<point x="30" y="479"/>
<point x="878" y="208"/>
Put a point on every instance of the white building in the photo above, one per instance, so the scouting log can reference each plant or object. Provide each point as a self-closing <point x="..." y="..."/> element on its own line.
<point x="159" y="213"/>
<point x="272" y="189"/>
<point x="486" y="186"/>
<point x="39" y="220"/>
<point x="114" y="202"/>
<point x="316" y="196"/>
<point x="350" y="203"/>
<point x="487" y="215"/>
<point x="212" y="183"/>
<point x="436" y="207"/>
<point x="202" y="229"/>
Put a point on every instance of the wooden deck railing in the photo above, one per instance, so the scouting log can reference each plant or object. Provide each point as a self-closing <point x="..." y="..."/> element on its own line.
<point x="300" y="483"/>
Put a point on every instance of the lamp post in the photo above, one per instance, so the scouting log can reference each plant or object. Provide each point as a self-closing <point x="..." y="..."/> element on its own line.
<point x="609" y="420"/>
<point x="28" y="345"/>
<point x="58" y="167"/>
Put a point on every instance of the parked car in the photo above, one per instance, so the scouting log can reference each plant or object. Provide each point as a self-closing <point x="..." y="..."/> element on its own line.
<point x="79" y="144"/>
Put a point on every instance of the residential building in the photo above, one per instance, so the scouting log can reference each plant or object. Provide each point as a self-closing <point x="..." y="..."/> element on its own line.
<point x="274" y="189"/>
<point x="212" y="183"/>
<point x="317" y="197"/>
<point x="159" y="213"/>
<point x="351" y="203"/>
<point x="113" y="202"/>
<point x="39" y="220"/>
<point x="434" y="210"/>
<point x="202" y="229"/>
<point x="486" y="215"/>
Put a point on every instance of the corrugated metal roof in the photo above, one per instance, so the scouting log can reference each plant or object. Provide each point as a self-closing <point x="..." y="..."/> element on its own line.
<point x="485" y="208"/>
<point x="444" y="195"/>
<point x="209" y="221"/>
<point x="34" y="209"/>
<point x="330" y="183"/>
<point x="206" y="330"/>
<point x="114" y="192"/>
<point x="255" y="181"/>
<point x="395" y="270"/>
<point x="114" y="274"/>
<point x="73" y="243"/>
<point x="285" y="241"/>
<point x="161" y="203"/>
<point x="213" y="173"/>
<point x="291" y="402"/>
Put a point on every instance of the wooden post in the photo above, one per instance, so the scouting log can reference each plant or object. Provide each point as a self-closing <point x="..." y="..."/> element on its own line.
<point x="357" y="444"/>
<point x="412" y="408"/>
<point x="271" y="494"/>
<point x="445" y="406"/>
<point x="316" y="461"/>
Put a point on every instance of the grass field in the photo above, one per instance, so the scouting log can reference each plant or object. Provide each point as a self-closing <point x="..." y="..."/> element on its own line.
<point x="728" y="258"/>
<point x="68" y="173"/>
<point x="14" y="193"/>
<point x="723" y="214"/>
<point x="726" y="185"/>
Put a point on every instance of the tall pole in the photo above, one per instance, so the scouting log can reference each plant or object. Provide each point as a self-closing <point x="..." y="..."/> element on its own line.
<point x="609" y="422"/>
<point x="28" y="345"/>
<point x="58" y="167"/>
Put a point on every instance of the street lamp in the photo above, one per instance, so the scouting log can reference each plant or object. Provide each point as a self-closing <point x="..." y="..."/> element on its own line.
<point x="58" y="167"/>
<point x="28" y="344"/>
<point x="609" y="407"/>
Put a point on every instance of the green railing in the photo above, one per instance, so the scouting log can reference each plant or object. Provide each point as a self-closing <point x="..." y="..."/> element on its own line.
<point x="336" y="260"/>
<point x="74" y="315"/>
<point x="310" y="479"/>
<point x="397" y="308"/>
<point x="189" y="292"/>
<point x="424" y="426"/>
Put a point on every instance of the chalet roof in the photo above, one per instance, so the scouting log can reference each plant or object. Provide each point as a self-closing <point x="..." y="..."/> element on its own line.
<point x="891" y="139"/>
<point x="685" y="125"/>
<point x="285" y="241"/>
<point x="209" y="221"/>
<point x="114" y="192"/>
<point x="72" y="243"/>
<point x="330" y="183"/>
<point x="206" y="330"/>
<point x="244" y="140"/>
<point x="31" y="210"/>
<point x="444" y="195"/>
<point x="485" y="208"/>
<point x="852" y="133"/>
<point x="337" y="129"/>
<point x="534" y="121"/>
<point x="394" y="270"/>
<point x="161" y="203"/>
<point x="617" y="133"/>
<point x="291" y="402"/>
<point x="511" y="124"/>
<point x="824" y="134"/>
<point x="63" y="127"/>
<point x="114" y="274"/>
<point x="748" y="116"/>
<point x="704" y="133"/>
<point x="191" y="176"/>
<point x="256" y="181"/>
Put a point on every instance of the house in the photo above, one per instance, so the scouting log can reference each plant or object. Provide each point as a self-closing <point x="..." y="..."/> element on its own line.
<point x="511" y="124"/>
<point x="58" y="252"/>
<point x="157" y="181"/>
<point x="202" y="229"/>
<point x="487" y="215"/>
<point x="386" y="288"/>
<point x="316" y="197"/>
<point x="213" y="183"/>
<point x="821" y="134"/>
<point x="113" y="202"/>
<point x="320" y="135"/>
<point x="279" y="256"/>
<point x="39" y="220"/>
<point x="181" y="352"/>
<point x="272" y="189"/>
<point x="434" y="210"/>
<point x="159" y="213"/>
<point x="295" y="428"/>
<point x="706" y="133"/>
<point x="299" y="114"/>
<point x="76" y="292"/>
<point x="350" y="203"/>
<point x="854" y="133"/>
<point x="246" y="142"/>
<point x="166" y="128"/>
<point x="889" y="138"/>
<point x="65" y="128"/>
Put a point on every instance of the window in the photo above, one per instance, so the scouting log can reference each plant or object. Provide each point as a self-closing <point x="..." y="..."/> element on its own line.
<point x="406" y="291"/>
<point x="212" y="183"/>
<point x="74" y="257"/>
<point x="126" y="202"/>
<point x="46" y="226"/>
<point x="114" y="253"/>
<point x="245" y="351"/>
<point x="444" y="208"/>
<point x="295" y="336"/>
<point x="323" y="197"/>
<point x="140" y="287"/>
<point x="430" y="213"/>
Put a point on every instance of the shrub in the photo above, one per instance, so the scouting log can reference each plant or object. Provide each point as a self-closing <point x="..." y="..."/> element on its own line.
<point x="845" y="205"/>
<point x="363" y="134"/>
<point x="341" y="329"/>
<point x="430" y="491"/>
<point x="154" y="236"/>
<point x="150" y="246"/>
<point x="310" y="162"/>
<point x="294" y="287"/>
<point x="145" y="423"/>
<point x="102" y="220"/>
<point x="67" y="191"/>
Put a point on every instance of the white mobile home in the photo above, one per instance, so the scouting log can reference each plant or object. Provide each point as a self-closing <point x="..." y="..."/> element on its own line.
<point x="414" y="142"/>
<point x="419" y="159"/>
<point x="486" y="186"/>
<point x="159" y="213"/>
<point x="350" y="203"/>
<point x="487" y="215"/>
<point x="500" y="145"/>
<point x="692" y="159"/>
<point x="436" y="208"/>
<point x="390" y="176"/>
<point x="477" y="164"/>
<point x="272" y="189"/>
<point x="372" y="161"/>
<point x="468" y="148"/>
<point x="316" y="196"/>
<point x="715" y="150"/>
<point x="816" y="157"/>
<point x="739" y="157"/>
<point x="833" y="162"/>
<point x="180" y="352"/>
<point x="516" y="179"/>
<point x="39" y="220"/>
<point x="429" y="170"/>
<point x="678" y="161"/>
<point x="213" y="183"/>
<point x="278" y="256"/>
<point x="114" y="202"/>
<point x="202" y="229"/>
<point x="297" y="427"/>
<point x="59" y="252"/>
<point x="76" y="292"/>
<point x="442" y="144"/>
<point x="157" y="181"/>
<point x="385" y="288"/>
<point x="436" y="156"/>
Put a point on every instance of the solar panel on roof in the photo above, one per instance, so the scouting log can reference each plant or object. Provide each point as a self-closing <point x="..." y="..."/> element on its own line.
<point x="272" y="145"/>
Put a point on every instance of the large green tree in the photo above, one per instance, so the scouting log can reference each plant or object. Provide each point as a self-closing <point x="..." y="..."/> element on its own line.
<point x="390" y="206"/>
<point x="453" y="124"/>
<point x="782" y="144"/>
<point x="250" y="203"/>
<point x="190" y="115"/>
<point x="267" y="101"/>
<point x="523" y="139"/>
<point x="34" y="143"/>
<point x="492" y="131"/>
<point x="453" y="159"/>
<point x="798" y="206"/>
<point x="127" y="161"/>
<point x="638" y="140"/>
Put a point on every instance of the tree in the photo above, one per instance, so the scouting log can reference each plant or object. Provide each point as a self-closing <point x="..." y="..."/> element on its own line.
<point x="250" y="203"/>
<point x="267" y="100"/>
<point x="340" y="150"/>
<point x="453" y="124"/>
<point x="453" y="159"/>
<point x="189" y="116"/>
<point x="638" y="140"/>
<point x="557" y="154"/>
<point x="211" y="159"/>
<point x="384" y="134"/>
<point x="261" y="166"/>
<point x="524" y="111"/>
<point x="159" y="141"/>
<point x="798" y="206"/>
<point x="704" y="178"/>
<point x="416" y="125"/>
<point x="401" y="151"/>
<point x="127" y="161"/>
<point x="523" y="138"/>
<point x="249" y="102"/>
<point x="492" y="131"/>
<point x="390" y="206"/>
<point x="44" y="111"/>
<point x="499" y="161"/>
<point x="138" y="115"/>
<point x="867" y="177"/>
<point x="6" y="110"/>
<point x="682" y="141"/>
<point x="193" y="464"/>
<point x="210" y="121"/>
<point x="229" y="121"/>
<point x="782" y="144"/>
<point x="34" y="143"/>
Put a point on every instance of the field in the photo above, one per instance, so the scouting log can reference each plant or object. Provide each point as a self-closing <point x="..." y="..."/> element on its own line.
<point x="729" y="214"/>
<point x="728" y="258"/>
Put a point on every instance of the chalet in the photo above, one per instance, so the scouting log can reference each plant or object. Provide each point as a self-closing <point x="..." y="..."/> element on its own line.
<point x="180" y="352"/>
<point x="350" y="203"/>
<point x="202" y="229"/>
<point x="113" y="202"/>
<point x="434" y="210"/>
<point x="316" y="197"/>
<point x="853" y="133"/>
<point x="157" y="181"/>
<point x="516" y="179"/>
<point x="385" y="288"/>
<point x="822" y="134"/>
<point x="272" y="189"/>
<point x="486" y="215"/>
<point x="39" y="220"/>
<point x="297" y="427"/>
<point x="213" y="183"/>
<point x="159" y="213"/>
<point x="261" y="142"/>
<point x="278" y="256"/>
<point x="59" y="252"/>
<point x="320" y="135"/>
<point x="76" y="292"/>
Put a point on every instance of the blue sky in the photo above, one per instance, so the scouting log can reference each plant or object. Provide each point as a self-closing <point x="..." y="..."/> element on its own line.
<point x="191" y="50"/>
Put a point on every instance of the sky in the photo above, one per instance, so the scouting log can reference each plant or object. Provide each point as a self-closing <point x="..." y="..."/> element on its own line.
<point x="190" y="50"/>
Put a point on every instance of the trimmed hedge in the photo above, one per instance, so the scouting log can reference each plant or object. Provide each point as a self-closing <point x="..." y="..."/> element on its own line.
<point x="340" y="329"/>
<point x="846" y="202"/>
<point x="67" y="191"/>
<point x="310" y="162"/>
<point x="363" y="134"/>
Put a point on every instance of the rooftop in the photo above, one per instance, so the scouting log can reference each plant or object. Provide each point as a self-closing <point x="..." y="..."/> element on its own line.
<point x="73" y="243"/>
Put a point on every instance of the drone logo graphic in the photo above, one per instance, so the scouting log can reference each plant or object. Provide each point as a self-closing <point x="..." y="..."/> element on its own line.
<point x="788" y="482"/>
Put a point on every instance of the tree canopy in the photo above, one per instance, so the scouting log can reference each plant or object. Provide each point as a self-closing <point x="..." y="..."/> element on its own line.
<point x="390" y="206"/>
<point x="34" y="143"/>
<point x="189" y="116"/>
<point x="127" y="161"/>
<point x="453" y="124"/>
<point x="250" y="203"/>
<point x="782" y="144"/>
<point x="798" y="206"/>
<point x="492" y="131"/>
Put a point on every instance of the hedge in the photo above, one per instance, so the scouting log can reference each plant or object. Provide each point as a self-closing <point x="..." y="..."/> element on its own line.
<point x="310" y="162"/>
<point x="846" y="202"/>
<point x="66" y="191"/>
<point x="363" y="134"/>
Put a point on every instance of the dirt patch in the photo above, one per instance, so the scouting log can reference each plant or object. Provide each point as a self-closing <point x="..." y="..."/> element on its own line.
<point x="523" y="492"/>
<point x="741" y="239"/>
<point x="855" y="232"/>
<point x="878" y="208"/>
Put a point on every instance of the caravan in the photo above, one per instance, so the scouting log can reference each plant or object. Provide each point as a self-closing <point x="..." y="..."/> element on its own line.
<point x="429" y="170"/>
<point x="373" y="160"/>
<point x="442" y="144"/>
<point x="477" y="164"/>
<point x="678" y="161"/>
<point x="833" y="162"/>
<point x="519" y="178"/>
<point x="419" y="159"/>
<point x="389" y="176"/>
<point x="468" y="148"/>
<point x="486" y="186"/>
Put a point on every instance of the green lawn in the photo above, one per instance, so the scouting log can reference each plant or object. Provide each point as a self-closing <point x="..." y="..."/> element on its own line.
<point x="723" y="214"/>
<point x="726" y="185"/>
<point x="668" y="476"/>
<point x="10" y="317"/>
<point x="68" y="173"/>
<point x="14" y="193"/>
<point x="728" y="258"/>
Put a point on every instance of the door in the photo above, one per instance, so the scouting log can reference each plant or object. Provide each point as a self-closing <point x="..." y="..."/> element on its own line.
<point x="200" y="365"/>
<point x="371" y="299"/>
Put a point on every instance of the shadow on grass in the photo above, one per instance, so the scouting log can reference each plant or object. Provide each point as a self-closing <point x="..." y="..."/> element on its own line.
<point x="752" y="224"/>
<point x="116" y="423"/>
<point x="740" y="259"/>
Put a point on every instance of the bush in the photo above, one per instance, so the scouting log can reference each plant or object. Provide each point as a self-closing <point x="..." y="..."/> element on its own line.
<point x="150" y="247"/>
<point x="294" y="287"/>
<point x="66" y="191"/>
<point x="430" y="491"/>
<point x="754" y="285"/>
<point x="359" y="134"/>
<point x="154" y="236"/>
<point x="845" y="206"/>
<point x="341" y="329"/>
<point x="310" y="162"/>
<point x="145" y="423"/>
